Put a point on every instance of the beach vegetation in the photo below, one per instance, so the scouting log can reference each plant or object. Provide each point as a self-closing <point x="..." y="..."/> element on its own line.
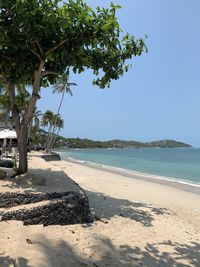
<point x="87" y="143"/>
<point x="62" y="86"/>
<point x="54" y="122"/>
<point x="71" y="143"/>
<point x="47" y="121"/>
<point x="42" y="40"/>
<point x="59" y="125"/>
<point x="5" y="108"/>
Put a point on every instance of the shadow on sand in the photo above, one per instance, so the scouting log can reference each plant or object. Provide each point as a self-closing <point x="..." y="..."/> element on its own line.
<point x="55" y="181"/>
<point x="107" y="207"/>
<point x="102" y="205"/>
<point x="103" y="253"/>
<point x="60" y="254"/>
<point x="6" y="261"/>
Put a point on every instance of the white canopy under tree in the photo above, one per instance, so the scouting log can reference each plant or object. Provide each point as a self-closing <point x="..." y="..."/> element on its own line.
<point x="6" y="133"/>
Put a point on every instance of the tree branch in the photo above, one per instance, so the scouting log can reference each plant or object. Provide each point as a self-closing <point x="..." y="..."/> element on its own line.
<point x="39" y="46"/>
<point x="55" y="47"/>
<point x="47" y="72"/>
<point x="3" y="79"/>
<point x="35" y="94"/>
<point x="41" y="66"/>
<point x="35" y="53"/>
<point x="6" y="57"/>
<point x="41" y="55"/>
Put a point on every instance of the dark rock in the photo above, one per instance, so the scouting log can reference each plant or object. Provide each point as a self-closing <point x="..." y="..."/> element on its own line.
<point x="8" y="199"/>
<point x="3" y="175"/>
<point x="6" y="163"/>
<point x="64" y="208"/>
<point x="52" y="157"/>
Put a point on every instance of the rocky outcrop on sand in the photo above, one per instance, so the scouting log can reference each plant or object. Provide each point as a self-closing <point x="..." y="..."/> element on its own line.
<point x="45" y="208"/>
<point x="3" y="175"/>
<point x="6" y="163"/>
<point x="53" y="156"/>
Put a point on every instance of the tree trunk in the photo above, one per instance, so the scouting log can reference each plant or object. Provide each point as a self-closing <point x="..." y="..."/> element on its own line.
<point x="54" y="139"/>
<point x="21" y="125"/>
<point x="7" y="119"/>
<point x="22" y="146"/>
<point x="48" y="136"/>
<point x="29" y="131"/>
<point x="22" y="133"/>
<point x="54" y="126"/>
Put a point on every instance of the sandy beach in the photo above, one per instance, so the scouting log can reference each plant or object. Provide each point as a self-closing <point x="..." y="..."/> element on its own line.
<point x="140" y="223"/>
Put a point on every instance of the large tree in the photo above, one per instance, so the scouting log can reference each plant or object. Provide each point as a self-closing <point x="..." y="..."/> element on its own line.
<point x="43" y="39"/>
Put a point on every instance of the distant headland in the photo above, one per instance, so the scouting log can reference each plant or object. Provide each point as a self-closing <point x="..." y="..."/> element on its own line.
<point x="87" y="143"/>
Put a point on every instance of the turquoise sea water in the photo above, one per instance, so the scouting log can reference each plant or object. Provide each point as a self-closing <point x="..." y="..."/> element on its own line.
<point x="180" y="163"/>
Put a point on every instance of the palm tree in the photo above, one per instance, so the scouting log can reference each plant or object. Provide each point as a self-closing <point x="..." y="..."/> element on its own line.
<point x="62" y="86"/>
<point x="59" y="125"/>
<point x="47" y="121"/>
<point x="21" y="101"/>
<point x="35" y="121"/>
<point x="17" y="103"/>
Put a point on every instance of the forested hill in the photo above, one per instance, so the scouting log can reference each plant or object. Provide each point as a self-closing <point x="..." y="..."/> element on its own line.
<point x="87" y="143"/>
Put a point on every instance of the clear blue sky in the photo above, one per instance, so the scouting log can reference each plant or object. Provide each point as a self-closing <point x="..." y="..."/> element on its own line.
<point x="159" y="98"/>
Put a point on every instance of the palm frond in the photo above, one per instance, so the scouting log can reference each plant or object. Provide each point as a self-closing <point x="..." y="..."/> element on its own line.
<point x="63" y="85"/>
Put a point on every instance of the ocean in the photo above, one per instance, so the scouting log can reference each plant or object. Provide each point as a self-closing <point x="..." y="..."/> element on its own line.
<point x="182" y="164"/>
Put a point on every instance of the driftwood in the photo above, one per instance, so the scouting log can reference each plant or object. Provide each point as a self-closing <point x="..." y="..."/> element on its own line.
<point x="100" y="219"/>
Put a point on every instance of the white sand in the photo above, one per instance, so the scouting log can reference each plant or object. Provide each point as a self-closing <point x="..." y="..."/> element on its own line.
<point x="148" y="224"/>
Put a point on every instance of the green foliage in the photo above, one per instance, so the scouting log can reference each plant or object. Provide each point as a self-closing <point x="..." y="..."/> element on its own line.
<point x="86" y="143"/>
<point x="47" y="118"/>
<point x="59" y="121"/>
<point x="63" y="85"/>
<point x="68" y="36"/>
<point x="42" y="40"/>
<point x="21" y="101"/>
<point x="4" y="101"/>
<point x="54" y="122"/>
<point x="61" y="141"/>
<point x="167" y="143"/>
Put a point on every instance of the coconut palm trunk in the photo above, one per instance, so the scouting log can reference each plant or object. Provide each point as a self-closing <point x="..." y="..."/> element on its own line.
<point x="59" y="125"/>
<point x="50" y="143"/>
<point x="29" y="131"/>
<point x="62" y="87"/>
<point x="47" y="121"/>
<point x="48" y="135"/>
<point x="54" y="139"/>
